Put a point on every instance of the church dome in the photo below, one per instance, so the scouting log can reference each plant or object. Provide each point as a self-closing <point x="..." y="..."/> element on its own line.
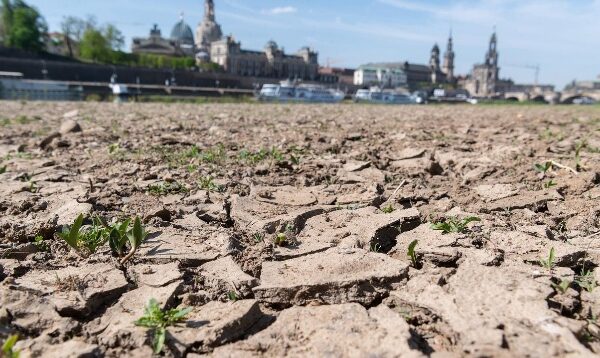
<point x="271" y="45"/>
<point x="182" y="33"/>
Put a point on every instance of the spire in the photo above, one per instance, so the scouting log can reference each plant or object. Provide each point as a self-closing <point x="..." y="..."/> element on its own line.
<point x="209" y="10"/>
<point x="181" y="15"/>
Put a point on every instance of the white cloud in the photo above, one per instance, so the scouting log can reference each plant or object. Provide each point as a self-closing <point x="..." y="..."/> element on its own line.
<point x="280" y="10"/>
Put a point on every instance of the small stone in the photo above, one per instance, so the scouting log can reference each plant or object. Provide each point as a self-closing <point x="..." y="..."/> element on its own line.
<point x="69" y="126"/>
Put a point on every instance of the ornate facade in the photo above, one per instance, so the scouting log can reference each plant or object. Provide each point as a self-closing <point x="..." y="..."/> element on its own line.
<point x="181" y="42"/>
<point x="448" y="67"/>
<point x="484" y="80"/>
<point x="207" y="32"/>
<point x="228" y="53"/>
<point x="272" y="62"/>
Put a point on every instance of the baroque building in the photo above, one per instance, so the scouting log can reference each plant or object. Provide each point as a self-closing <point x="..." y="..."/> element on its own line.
<point x="448" y="66"/>
<point x="415" y="76"/>
<point x="207" y="32"/>
<point x="229" y="54"/>
<point x="181" y="42"/>
<point x="271" y="62"/>
<point x="484" y="80"/>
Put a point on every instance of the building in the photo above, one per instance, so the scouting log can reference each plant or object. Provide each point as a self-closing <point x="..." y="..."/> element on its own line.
<point x="384" y="75"/>
<point x="207" y="32"/>
<point x="335" y="75"/>
<point x="181" y="42"/>
<point x="272" y="62"/>
<point x="484" y="80"/>
<point x="448" y="66"/>
<point x="417" y="76"/>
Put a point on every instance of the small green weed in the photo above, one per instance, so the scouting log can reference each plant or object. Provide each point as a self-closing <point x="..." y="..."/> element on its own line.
<point x="454" y="225"/>
<point x="586" y="281"/>
<point x="563" y="286"/>
<point x="214" y="155"/>
<point x="579" y="147"/>
<point x="258" y="237"/>
<point x="158" y="320"/>
<point x="40" y="243"/>
<point x="89" y="239"/>
<point x="550" y="184"/>
<point x="543" y="167"/>
<point x="412" y="253"/>
<point x="8" y="350"/>
<point x="388" y="209"/>
<point x="281" y="239"/>
<point x="3" y="169"/>
<point x="232" y="296"/>
<point x="375" y="247"/>
<point x="208" y="184"/>
<point x="166" y="188"/>
<point x="121" y="234"/>
<point x="549" y="262"/>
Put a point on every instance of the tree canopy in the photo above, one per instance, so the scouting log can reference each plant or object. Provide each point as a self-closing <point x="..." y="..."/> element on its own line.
<point x="22" y="26"/>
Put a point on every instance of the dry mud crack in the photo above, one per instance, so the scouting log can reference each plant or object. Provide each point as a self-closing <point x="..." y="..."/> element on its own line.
<point x="285" y="229"/>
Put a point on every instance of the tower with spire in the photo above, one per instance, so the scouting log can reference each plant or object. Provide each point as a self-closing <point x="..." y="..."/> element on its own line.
<point x="434" y="63"/>
<point x="448" y="66"/>
<point x="208" y="30"/>
<point x="484" y="80"/>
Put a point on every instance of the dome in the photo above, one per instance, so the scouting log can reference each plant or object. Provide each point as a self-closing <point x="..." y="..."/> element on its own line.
<point x="182" y="33"/>
<point x="271" y="44"/>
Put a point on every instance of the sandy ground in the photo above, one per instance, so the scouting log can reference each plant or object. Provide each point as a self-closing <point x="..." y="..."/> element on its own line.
<point x="286" y="229"/>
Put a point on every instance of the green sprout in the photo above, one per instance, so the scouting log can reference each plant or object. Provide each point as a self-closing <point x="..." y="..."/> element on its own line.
<point x="158" y="320"/>
<point x="411" y="252"/>
<point x="8" y="350"/>
<point x="580" y="146"/>
<point x="208" y="184"/>
<point x="89" y="239"/>
<point x="550" y="184"/>
<point x="549" y="263"/>
<point x="295" y="159"/>
<point x="563" y="286"/>
<point x="166" y="188"/>
<point x="454" y="225"/>
<point x="135" y="236"/>
<point x="258" y="237"/>
<point x="543" y="167"/>
<point x="3" y="169"/>
<point x="232" y="296"/>
<point x="375" y="247"/>
<point x="40" y="244"/>
<point x="281" y="239"/>
<point x="388" y="209"/>
<point x="586" y="280"/>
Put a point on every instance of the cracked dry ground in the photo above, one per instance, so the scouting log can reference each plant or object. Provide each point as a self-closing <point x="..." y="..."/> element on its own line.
<point x="344" y="189"/>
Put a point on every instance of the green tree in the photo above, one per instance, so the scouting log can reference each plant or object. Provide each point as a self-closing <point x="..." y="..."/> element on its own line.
<point x="114" y="37"/>
<point x="95" y="47"/>
<point x="23" y="26"/>
<point x="73" y="29"/>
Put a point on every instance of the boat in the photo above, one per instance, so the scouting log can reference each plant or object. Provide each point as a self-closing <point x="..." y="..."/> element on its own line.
<point x="288" y="91"/>
<point x="377" y="95"/>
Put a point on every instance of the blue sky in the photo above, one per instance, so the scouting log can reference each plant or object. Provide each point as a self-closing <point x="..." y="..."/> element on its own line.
<point x="562" y="36"/>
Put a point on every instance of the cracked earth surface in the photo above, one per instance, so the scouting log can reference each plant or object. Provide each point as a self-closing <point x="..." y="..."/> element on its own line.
<point x="285" y="229"/>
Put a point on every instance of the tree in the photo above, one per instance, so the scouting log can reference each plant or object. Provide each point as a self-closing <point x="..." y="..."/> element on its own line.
<point x="95" y="47"/>
<point x="23" y="26"/>
<point x="114" y="37"/>
<point x="73" y="29"/>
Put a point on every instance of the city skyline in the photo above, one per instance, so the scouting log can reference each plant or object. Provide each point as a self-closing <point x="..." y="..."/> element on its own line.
<point x="553" y="34"/>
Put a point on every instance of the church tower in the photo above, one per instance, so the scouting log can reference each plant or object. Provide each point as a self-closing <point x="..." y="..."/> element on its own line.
<point x="491" y="60"/>
<point x="448" y="67"/>
<point x="208" y="30"/>
<point x="434" y="63"/>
